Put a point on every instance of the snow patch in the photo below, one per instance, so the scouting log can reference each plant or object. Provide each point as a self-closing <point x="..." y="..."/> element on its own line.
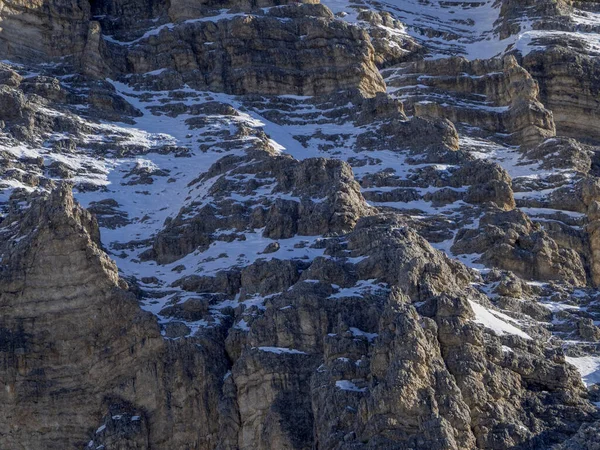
<point x="588" y="367"/>
<point x="347" y="385"/>
<point x="496" y="321"/>
<point x="281" y="350"/>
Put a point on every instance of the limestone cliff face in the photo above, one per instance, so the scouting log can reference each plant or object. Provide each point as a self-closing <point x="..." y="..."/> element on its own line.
<point x="76" y="347"/>
<point x="569" y="86"/>
<point x="43" y="30"/>
<point x="297" y="49"/>
<point x="497" y="95"/>
<point x="561" y="59"/>
<point x="306" y="226"/>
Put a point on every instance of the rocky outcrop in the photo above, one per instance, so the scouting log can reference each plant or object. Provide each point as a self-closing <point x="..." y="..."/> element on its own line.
<point x="307" y="198"/>
<point x="368" y="388"/>
<point x="280" y="52"/>
<point x="391" y="43"/>
<point x="126" y="17"/>
<point x="380" y="122"/>
<point x="320" y="362"/>
<point x="544" y="12"/>
<point x="571" y="94"/>
<point x="510" y="241"/>
<point x="563" y="153"/>
<point x="497" y="95"/>
<point x="402" y="378"/>
<point x="587" y="438"/>
<point x="474" y="181"/>
<point x="265" y="301"/>
<point x="76" y="347"/>
<point x="488" y="183"/>
<point x="43" y="30"/>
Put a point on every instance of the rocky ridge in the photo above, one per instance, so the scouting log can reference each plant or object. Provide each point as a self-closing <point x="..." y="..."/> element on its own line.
<point x="397" y="249"/>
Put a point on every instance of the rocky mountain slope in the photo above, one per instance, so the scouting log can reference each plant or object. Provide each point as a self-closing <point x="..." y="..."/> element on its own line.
<point x="286" y="224"/>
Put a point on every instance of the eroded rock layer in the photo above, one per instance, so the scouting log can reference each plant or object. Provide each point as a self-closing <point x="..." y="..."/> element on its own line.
<point x="299" y="225"/>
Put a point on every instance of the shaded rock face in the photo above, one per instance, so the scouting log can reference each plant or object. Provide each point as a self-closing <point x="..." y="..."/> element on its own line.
<point x="24" y="117"/>
<point x="587" y="438"/>
<point x="389" y="400"/>
<point x="419" y="132"/>
<point x="380" y="122"/>
<point x="590" y="197"/>
<point x="563" y="153"/>
<point x="391" y="44"/>
<point x="474" y="181"/>
<point x="488" y="182"/>
<point x="512" y="11"/>
<point x="76" y="346"/>
<point x="126" y="17"/>
<point x="37" y="31"/>
<point x="320" y="365"/>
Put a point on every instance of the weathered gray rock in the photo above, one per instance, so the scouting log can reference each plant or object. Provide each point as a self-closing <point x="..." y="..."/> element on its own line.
<point x="360" y="335"/>
<point x="44" y="30"/>
<point x="571" y="94"/>
<point x="324" y="199"/>
<point x="587" y="438"/>
<point x="497" y="95"/>
<point x="76" y="344"/>
<point x="562" y="153"/>
<point x="277" y="53"/>
<point x="510" y="241"/>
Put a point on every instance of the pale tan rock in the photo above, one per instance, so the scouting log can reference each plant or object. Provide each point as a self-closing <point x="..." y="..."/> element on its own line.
<point x="570" y="89"/>
<point x="511" y="104"/>
<point x="77" y="343"/>
<point x="260" y="54"/>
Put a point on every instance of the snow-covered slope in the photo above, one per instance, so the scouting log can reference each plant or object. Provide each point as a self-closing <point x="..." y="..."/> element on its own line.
<point x="446" y="215"/>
